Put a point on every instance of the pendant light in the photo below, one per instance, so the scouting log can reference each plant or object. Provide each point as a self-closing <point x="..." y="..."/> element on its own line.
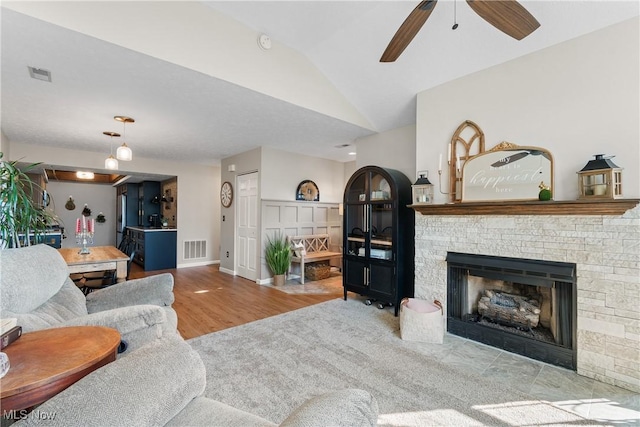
<point x="111" y="162"/>
<point x="124" y="152"/>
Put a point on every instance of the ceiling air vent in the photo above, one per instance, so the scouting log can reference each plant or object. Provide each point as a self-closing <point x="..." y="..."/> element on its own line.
<point x="40" y="74"/>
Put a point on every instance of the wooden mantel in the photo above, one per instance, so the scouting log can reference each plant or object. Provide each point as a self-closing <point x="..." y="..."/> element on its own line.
<point x="509" y="207"/>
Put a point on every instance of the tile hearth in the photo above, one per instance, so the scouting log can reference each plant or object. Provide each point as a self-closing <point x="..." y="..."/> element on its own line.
<point x="561" y="387"/>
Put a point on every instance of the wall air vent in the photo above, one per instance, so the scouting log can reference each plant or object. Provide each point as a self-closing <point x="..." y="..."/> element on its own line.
<point x="194" y="249"/>
<point x="40" y="74"/>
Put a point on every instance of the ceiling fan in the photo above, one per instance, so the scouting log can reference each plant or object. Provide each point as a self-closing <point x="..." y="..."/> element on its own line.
<point x="507" y="16"/>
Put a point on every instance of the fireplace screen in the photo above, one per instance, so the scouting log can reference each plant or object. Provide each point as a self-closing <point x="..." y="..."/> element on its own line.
<point x="519" y="305"/>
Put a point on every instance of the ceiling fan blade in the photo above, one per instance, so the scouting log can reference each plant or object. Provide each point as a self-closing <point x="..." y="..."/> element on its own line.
<point x="408" y="30"/>
<point x="507" y="16"/>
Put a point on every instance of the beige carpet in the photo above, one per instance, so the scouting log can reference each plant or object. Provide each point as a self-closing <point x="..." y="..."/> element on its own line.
<point x="270" y="366"/>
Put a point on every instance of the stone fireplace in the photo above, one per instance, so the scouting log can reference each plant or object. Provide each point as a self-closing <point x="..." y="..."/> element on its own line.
<point x="604" y="250"/>
<point x="520" y="305"/>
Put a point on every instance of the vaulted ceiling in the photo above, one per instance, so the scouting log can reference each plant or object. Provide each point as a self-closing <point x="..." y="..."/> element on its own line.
<point x="200" y="88"/>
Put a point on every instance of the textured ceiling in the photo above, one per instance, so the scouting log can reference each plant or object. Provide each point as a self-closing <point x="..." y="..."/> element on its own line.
<point x="186" y="115"/>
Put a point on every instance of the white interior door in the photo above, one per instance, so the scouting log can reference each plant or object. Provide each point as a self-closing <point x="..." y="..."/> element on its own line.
<point x="247" y="226"/>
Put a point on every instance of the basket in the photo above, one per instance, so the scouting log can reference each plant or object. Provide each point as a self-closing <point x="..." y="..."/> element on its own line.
<point x="317" y="271"/>
<point x="421" y="321"/>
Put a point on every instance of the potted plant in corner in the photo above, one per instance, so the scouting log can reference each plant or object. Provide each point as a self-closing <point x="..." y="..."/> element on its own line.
<point x="19" y="215"/>
<point x="278" y="257"/>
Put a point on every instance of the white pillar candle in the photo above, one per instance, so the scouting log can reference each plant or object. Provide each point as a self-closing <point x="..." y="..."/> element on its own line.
<point x="440" y="163"/>
<point x="449" y="155"/>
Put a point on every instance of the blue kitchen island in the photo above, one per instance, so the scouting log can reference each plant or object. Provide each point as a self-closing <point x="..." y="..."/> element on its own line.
<point x="155" y="248"/>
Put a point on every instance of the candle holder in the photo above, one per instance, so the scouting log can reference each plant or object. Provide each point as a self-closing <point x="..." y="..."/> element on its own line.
<point x="84" y="238"/>
<point x="84" y="235"/>
<point x="457" y="177"/>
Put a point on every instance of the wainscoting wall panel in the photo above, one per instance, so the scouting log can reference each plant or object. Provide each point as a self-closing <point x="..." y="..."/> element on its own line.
<point x="295" y="218"/>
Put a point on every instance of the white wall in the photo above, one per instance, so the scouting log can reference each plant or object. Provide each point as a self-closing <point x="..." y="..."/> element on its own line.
<point x="4" y="146"/>
<point x="577" y="99"/>
<point x="393" y="149"/>
<point x="243" y="164"/>
<point x="281" y="172"/>
<point x="98" y="197"/>
<point x="198" y="185"/>
<point x="349" y="169"/>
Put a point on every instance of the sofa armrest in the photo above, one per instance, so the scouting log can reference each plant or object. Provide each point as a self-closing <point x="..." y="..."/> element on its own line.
<point x="137" y="324"/>
<point x="154" y="290"/>
<point x="349" y="408"/>
<point x="146" y="388"/>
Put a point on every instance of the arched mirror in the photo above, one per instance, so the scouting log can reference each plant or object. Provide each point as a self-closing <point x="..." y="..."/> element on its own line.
<point x="507" y="172"/>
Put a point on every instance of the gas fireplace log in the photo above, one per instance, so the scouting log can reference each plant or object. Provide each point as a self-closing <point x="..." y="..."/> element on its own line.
<point x="527" y="306"/>
<point x="523" y="302"/>
<point x="512" y="315"/>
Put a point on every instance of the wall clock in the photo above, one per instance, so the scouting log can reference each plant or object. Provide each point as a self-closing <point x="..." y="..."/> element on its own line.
<point x="226" y="194"/>
<point x="308" y="190"/>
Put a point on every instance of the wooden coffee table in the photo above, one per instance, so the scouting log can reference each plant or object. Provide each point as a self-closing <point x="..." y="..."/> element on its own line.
<point x="45" y="362"/>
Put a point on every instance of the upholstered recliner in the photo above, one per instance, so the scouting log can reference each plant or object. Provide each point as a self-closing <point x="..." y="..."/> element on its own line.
<point x="36" y="289"/>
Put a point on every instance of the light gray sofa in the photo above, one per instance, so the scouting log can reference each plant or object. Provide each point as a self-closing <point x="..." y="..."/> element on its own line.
<point x="161" y="383"/>
<point x="36" y="289"/>
<point x="160" y="379"/>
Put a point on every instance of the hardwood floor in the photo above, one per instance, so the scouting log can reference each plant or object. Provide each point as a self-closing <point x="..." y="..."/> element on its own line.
<point x="207" y="300"/>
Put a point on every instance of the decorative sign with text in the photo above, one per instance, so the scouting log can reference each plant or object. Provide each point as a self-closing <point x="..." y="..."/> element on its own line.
<point x="513" y="173"/>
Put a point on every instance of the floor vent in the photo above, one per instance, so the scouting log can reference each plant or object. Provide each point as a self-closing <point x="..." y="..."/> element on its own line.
<point x="194" y="249"/>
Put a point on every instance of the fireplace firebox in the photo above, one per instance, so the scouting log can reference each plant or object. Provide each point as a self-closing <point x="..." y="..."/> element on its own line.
<point x="519" y="305"/>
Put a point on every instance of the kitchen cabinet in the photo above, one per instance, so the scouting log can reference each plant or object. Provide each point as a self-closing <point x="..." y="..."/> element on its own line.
<point x="148" y="202"/>
<point x="378" y="243"/>
<point x="155" y="249"/>
<point x="129" y="209"/>
<point x="38" y="189"/>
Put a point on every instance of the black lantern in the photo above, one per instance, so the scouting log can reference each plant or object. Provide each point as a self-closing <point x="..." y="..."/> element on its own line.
<point x="600" y="179"/>
<point x="422" y="190"/>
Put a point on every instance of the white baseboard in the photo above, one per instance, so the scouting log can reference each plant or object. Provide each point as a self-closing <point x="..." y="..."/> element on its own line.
<point x="227" y="271"/>
<point x="198" y="264"/>
<point x="270" y="279"/>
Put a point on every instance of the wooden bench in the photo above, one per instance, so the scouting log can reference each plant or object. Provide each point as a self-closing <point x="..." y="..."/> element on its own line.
<point x="311" y="248"/>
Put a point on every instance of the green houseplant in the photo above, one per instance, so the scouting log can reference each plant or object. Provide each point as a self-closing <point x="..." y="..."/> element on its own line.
<point x="19" y="215"/>
<point x="278" y="257"/>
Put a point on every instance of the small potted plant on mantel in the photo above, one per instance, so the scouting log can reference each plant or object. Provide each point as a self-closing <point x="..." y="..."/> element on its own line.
<point x="278" y="257"/>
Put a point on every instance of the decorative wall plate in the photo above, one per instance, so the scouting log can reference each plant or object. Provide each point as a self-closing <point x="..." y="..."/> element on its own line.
<point x="70" y="205"/>
<point x="308" y="191"/>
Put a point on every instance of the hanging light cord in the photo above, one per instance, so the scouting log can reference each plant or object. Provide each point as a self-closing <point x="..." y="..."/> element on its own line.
<point x="455" y="23"/>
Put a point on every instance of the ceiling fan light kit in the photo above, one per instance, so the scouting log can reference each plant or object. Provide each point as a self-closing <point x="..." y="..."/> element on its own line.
<point x="507" y="16"/>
